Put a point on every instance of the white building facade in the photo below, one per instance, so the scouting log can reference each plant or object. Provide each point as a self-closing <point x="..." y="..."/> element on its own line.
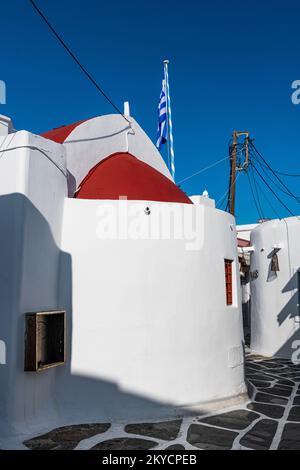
<point x="151" y="325"/>
<point x="275" y="287"/>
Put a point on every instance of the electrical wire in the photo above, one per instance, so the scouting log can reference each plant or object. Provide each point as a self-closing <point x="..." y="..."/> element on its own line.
<point x="202" y="170"/>
<point x="276" y="176"/>
<point x="87" y="74"/>
<point x="287" y="174"/>
<point x="263" y="167"/>
<point x="223" y="205"/>
<point x="33" y="147"/>
<point x="273" y="192"/>
<point x="256" y="190"/>
<point x="264" y="195"/>
<point x="256" y="203"/>
<point x="221" y="200"/>
<point x="292" y="175"/>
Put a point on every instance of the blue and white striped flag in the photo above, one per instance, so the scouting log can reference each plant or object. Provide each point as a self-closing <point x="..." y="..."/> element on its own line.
<point x="165" y="127"/>
<point x="162" y="117"/>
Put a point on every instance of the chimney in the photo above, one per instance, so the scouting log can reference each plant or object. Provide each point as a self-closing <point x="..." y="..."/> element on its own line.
<point x="126" y="108"/>
<point x="6" y="126"/>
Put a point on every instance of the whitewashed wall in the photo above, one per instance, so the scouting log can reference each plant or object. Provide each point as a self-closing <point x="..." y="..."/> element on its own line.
<point x="149" y="325"/>
<point x="274" y="296"/>
<point x="32" y="191"/>
<point x="244" y="231"/>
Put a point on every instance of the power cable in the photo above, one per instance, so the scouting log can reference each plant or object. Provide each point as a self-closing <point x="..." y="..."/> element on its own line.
<point x="287" y="174"/>
<point x="257" y="203"/>
<point x="276" y="176"/>
<point x="202" y="170"/>
<point x="221" y="200"/>
<point x="296" y="175"/>
<point x="87" y="74"/>
<point x="256" y="190"/>
<point x="288" y="193"/>
<point x="264" y="195"/>
<point x="292" y="175"/>
<point x="273" y="192"/>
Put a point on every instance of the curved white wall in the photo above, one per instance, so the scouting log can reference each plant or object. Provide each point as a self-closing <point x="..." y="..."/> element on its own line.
<point x="148" y="325"/>
<point x="274" y="296"/>
<point x="149" y="317"/>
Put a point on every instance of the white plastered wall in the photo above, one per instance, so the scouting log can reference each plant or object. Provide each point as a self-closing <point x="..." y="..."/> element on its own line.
<point x="32" y="191"/>
<point x="274" y="296"/>
<point x="150" y="325"/>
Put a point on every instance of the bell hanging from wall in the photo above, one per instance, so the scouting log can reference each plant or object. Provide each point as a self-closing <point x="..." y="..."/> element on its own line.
<point x="275" y="263"/>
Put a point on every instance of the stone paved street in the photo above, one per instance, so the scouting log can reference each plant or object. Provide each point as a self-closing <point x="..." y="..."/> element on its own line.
<point x="270" y="420"/>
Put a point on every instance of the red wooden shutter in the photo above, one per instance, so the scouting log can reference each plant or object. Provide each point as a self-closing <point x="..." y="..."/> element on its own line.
<point x="228" y="281"/>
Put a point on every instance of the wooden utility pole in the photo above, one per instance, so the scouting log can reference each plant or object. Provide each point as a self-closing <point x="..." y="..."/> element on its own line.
<point x="232" y="188"/>
<point x="234" y="167"/>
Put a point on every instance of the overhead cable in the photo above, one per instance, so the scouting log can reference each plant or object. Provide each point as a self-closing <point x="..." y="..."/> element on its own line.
<point x="290" y="193"/>
<point x="273" y="192"/>
<point x="203" y="169"/>
<point x="256" y="202"/>
<point x="87" y="74"/>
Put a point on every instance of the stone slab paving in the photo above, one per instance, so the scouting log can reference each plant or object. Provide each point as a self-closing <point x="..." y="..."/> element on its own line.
<point x="67" y="437"/>
<point x="269" y="420"/>
<point x="288" y="439"/>
<point x="261" y="435"/>
<point x="167" y="431"/>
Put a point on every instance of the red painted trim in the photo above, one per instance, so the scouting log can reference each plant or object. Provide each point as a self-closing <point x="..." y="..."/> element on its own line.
<point x="122" y="174"/>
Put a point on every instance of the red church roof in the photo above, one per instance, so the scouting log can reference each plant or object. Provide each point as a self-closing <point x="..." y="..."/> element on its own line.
<point x="242" y="243"/>
<point x="60" y="134"/>
<point x="122" y="174"/>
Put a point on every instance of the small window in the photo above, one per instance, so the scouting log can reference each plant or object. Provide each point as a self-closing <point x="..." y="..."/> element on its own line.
<point x="45" y="341"/>
<point x="228" y="281"/>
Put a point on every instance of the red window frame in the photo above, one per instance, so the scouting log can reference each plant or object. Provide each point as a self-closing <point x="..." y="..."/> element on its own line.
<point x="228" y="281"/>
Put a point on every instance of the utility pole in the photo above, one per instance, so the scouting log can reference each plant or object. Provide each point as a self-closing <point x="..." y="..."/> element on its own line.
<point x="236" y="166"/>
<point x="232" y="182"/>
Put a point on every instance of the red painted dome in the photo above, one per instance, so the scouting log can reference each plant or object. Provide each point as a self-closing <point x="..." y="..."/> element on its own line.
<point x="122" y="174"/>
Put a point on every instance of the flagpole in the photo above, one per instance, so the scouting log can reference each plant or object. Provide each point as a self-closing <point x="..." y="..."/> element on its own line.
<point x="170" y="143"/>
<point x="166" y="63"/>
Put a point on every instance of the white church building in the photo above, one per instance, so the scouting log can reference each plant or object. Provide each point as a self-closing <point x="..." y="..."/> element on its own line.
<point x="275" y="288"/>
<point x="119" y="294"/>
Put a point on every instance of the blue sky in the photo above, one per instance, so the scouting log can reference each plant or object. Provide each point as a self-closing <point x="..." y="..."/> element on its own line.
<point x="231" y="66"/>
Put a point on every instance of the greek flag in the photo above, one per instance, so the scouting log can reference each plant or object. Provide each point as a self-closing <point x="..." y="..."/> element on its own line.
<point x="165" y="128"/>
<point x="162" y="117"/>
